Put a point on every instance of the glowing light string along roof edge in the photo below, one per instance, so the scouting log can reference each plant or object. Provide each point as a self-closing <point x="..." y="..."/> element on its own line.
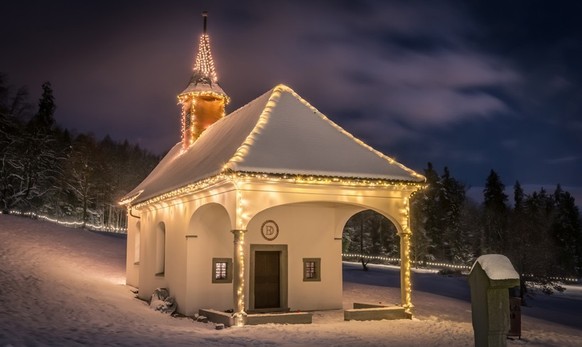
<point x="242" y="151"/>
<point x="231" y="176"/>
<point x="230" y="167"/>
<point x="264" y="118"/>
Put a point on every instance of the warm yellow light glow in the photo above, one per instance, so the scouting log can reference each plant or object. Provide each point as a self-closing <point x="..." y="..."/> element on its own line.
<point x="128" y="200"/>
<point x="405" y="285"/>
<point x="264" y="119"/>
<point x="204" y="62"/>
<point x="69" y="224"/>
<point x="234" y="177"/>
<point x="239" y="311"/>
<point x="397" y="260"/>
<point x="188" y="189"/>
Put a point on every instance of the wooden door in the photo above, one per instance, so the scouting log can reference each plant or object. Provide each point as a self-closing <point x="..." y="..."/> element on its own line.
<point x="267" y="279"/>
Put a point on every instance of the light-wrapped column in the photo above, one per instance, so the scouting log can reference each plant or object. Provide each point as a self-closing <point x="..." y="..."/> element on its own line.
<point x="405" y="284"/>
<point x="406" y="232"/>
<point x="239" y="278"/>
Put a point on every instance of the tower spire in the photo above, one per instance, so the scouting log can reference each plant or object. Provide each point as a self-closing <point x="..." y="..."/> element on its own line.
<point x="205" y="16"/>
<point x="203" y="100"/>
<point x="204" y="64"/>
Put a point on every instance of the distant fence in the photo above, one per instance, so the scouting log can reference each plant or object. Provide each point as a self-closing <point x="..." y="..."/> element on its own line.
<point x="74" y="224"/>
<point x="443" y="265"/>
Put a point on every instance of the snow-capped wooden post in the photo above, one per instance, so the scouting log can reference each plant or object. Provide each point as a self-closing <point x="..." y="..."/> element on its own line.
<point x="238" y="283"/>
<point x="490" y="278"/>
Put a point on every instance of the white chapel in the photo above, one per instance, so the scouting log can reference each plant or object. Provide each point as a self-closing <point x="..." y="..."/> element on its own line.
<point x="246" y="212"/>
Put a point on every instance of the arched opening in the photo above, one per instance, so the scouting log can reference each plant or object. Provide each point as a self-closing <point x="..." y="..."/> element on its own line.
<point x="370" y="236"/>
<point x="160" y="249"/>
<point x="137" y="243"/>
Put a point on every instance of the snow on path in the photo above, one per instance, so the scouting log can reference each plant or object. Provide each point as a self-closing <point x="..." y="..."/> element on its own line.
<point x="65" y="287"/>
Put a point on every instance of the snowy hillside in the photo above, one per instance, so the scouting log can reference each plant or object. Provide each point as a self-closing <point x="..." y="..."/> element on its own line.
<point x="65" y="287"/>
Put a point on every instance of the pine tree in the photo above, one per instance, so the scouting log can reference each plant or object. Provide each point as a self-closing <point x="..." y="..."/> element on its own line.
<point x="540" y="262"/>
<point x="519" y="243"/>
<point x="451" y="199"/>
<point x="495" y="214"/>
<point x="425" y="219"/>
<point x="41" y="163"/>
<point x="14" y="108"/>
<point x="44" y="120"/>
<point x="566" y="231"/>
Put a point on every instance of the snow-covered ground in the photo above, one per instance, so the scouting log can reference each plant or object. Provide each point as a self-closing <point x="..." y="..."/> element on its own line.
<point x="65" y="287"/>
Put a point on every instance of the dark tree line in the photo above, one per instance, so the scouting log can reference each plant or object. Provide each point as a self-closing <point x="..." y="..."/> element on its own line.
<point x="541" y="232"/>
<point x="48" y="170"/>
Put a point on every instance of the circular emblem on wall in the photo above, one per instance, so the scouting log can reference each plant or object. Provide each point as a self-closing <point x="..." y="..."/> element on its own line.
<point x="270" y="230"/>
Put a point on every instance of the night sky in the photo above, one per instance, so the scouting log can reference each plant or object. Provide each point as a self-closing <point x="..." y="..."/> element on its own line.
<point x="472" y="85"/>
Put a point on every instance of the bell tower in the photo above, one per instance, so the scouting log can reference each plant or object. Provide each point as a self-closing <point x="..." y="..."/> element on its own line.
<point x="203" y="101"/>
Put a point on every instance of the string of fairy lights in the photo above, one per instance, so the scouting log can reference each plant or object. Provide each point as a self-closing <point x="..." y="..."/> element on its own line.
<point x="274" y="98"/>
<point x="345" y="255"/>
<point x="204" y="69"/>
<point x="188" y="101"/>
<point x="204" y="63"/>
<point x="274" y="178"/>
<point x="441" y="265"/>
<point x="240" y="249"/>
<point x="90" y="226"/>
<point x="188" y="105"/>
<point x="406" y="286"/>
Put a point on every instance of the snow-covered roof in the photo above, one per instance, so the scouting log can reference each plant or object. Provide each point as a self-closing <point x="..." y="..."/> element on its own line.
<point x="497" y="267"/>
<point x="277" y="133"/>
<point x="200" y="84"/>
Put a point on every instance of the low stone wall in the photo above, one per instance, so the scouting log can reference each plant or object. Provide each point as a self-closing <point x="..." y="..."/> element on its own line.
<point x="280" y="318"/>
<point x="363" y="311"/>
<point x="258" y="318"/>
<point x="217" y="316"/>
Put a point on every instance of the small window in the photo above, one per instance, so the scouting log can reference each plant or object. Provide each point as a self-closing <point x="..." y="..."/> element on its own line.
<point x="221" y="270"/>
<point x="311" y="269"/>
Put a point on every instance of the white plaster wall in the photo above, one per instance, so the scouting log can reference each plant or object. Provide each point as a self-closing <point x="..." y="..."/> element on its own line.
<point x="310" y="217"/>
<point x="147" y="266"/>
<point x="210" y="237"/>
<point x="131" y="268"/>
<point x="388" y="201"/>
<point x="183" y="270"/>
<point x="308" y="232"/>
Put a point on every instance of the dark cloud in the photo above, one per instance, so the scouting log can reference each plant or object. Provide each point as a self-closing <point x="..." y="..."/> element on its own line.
<point x="472" y="85"/>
